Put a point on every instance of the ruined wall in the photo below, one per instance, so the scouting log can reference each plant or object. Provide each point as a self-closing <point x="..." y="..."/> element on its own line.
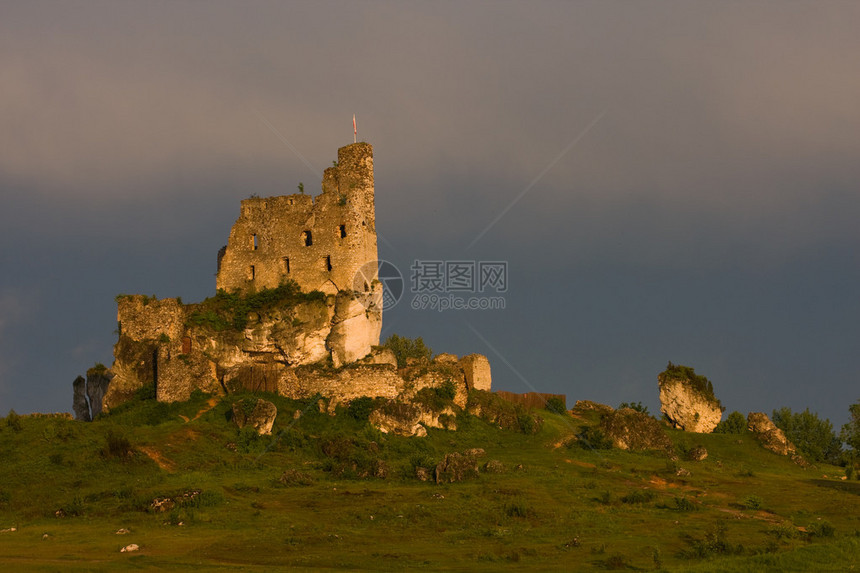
<point x="321" y="243"/>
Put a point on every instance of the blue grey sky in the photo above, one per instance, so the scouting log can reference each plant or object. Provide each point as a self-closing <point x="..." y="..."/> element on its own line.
<point x="666" y="180"/>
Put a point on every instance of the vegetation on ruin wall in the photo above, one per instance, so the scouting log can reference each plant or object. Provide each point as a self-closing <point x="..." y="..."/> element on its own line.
<point x="701" y="384"/>
<point x="226" y="311"/>
<point x="405" y="348"/>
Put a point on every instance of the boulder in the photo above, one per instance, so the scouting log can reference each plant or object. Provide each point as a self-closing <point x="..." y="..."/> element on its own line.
<point x="260" y="415"/>
<point x="79" y="400"/>
<point x="456" y="467"/>
<point x="632" y="430"/>
<point x="771" y="437"/>
<point x="687" y="408"/>
<point x="494" y="467"/>
<point x="130" y="548"/>
<point x="697" y="454"/>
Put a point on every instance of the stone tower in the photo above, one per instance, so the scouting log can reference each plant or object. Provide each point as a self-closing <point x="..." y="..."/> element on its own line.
<point x="321" y="243"/>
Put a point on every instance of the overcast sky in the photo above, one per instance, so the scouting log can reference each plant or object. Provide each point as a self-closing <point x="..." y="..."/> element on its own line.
<point x="666" y="180"/>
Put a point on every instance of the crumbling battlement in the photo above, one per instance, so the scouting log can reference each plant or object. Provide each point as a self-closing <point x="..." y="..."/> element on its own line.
<point x="321" y="243"/>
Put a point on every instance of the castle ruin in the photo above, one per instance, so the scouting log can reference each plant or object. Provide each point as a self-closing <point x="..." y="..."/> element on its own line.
<point x="298" y="299"/>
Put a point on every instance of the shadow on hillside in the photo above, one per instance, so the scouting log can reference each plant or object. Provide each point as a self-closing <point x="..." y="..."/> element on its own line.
<point x="846" y="486"/>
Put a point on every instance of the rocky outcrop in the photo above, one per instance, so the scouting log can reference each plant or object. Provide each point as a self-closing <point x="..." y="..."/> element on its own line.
<point x="79" y="400"/>
<point x="686" y="408"/>
<point x="409" y="419"/>
<point x="260" y="415"/>
<point x="583" y="406"/>
<point x="98" y="382"/>
<point x="355" y="328"/>
<point x="457" y="467"/>
<point x="632" y="430"/>
<point x="771" y="437"/>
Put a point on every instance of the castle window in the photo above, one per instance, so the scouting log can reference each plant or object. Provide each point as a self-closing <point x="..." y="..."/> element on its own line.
<point x="328" y="262"/>
<point x="254" y="243"/>
<point x="251" y="273"/>
<point x="342" y="231"/>
<point x="286" y="262"/>
<point x="307" y="240"/>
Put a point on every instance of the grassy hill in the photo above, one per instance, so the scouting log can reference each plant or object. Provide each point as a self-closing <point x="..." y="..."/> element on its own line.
<point x="332" y="492"/>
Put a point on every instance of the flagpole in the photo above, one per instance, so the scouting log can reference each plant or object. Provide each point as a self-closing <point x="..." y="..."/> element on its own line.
<point x="354" y="130"/>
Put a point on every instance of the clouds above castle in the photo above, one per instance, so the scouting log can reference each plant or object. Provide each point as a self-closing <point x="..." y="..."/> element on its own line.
<point x="727" y="141"/>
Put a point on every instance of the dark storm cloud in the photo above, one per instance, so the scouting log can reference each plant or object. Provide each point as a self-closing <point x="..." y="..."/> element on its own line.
<point x="728" y="149"/>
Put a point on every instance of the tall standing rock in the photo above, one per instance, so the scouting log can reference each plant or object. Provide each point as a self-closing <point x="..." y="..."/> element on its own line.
<point x="79" y="400"/>
<point x="688" y="400"/>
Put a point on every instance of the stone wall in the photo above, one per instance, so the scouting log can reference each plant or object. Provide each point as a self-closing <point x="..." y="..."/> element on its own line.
<point x="321" y="243"/>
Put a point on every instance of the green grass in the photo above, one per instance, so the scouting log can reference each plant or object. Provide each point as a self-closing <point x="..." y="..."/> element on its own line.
<point x="557" y="506"/>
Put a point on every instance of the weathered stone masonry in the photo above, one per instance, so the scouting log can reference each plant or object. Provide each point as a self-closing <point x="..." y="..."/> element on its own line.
<point x="321" y="243"/>
<point x="327" y="244"/>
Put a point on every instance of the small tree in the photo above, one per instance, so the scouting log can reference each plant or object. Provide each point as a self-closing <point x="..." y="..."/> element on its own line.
<point x="850" y="433"/>
<point x="301" y="188"/>
<point x="813" y="437"/>
<point x="736" y="423"/>
<point x="405" y="348"/>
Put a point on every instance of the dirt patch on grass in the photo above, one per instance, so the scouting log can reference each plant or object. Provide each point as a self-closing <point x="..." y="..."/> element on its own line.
<point x="159" y="459"/>
<point x="210" y="403"/>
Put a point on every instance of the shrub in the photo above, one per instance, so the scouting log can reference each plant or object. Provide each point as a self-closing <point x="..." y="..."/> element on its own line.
<point x="638" y="496"/>
<point x="736" y="423"/>
<point x="360" y="408"/>
<point x="117" y="446"/>
<point x="13" y="420"/>
<point x="555" y="405"/>
<point x="405" y="348"/>
<point x="713" y="543"/>
<point x="814" y="438"/>
<point x="821" y="529"/>
<point x="635" y="406"/>
<point x="594" y="438"/>
<point x="683" y="503"/>
<point x="752" y="502"/>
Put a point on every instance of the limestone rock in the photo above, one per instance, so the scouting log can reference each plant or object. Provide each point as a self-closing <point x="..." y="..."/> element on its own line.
<point x="697" y="454"/>
<point x="686" y="408"/>
<point x="446" y="358"/>
<point x="771" y="437"/>
<point x="98" y="382"/>
<point x="583" y="406"/>
<point x="260" y="415"/>
<point x="476" y="368"/>
<point x="423" y="474"/>
<point x="632" y="430"/>
<point x="456" y="467"/>
<point x="494" y="467"/>
<point x="380" y="355"/>
<point x="130" y="548"/>
<point x="79" y="400"/>
<point x="355" y="329"/>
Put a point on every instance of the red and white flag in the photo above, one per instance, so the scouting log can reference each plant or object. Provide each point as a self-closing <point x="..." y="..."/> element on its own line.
<point x="354" y="130"/>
